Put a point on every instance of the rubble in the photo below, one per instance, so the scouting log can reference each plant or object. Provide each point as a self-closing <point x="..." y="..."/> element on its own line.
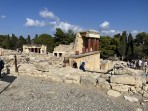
<point x="118" y="81"/>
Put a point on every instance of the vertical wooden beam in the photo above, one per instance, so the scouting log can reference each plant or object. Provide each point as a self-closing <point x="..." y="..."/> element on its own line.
<point x="15" y="62"/>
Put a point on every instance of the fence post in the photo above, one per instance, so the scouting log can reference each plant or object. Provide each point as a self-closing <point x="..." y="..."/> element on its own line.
<point x="15" y="63"/>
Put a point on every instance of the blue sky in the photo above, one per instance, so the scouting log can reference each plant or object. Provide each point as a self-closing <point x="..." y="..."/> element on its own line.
<point x="30" y="17"/>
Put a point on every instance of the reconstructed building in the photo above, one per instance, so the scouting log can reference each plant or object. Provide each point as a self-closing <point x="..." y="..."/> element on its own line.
<point x="84" y="49"/>
<point x="87" y="50"/>
<point x="42" y="49"/>
<point x="63" y="50"/>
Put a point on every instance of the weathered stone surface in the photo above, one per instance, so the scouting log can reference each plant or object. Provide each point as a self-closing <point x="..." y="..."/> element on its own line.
<point x="130" y="98"/>
<point x="26" y="67"/>
<point x="11" y="57"/>
<point x="113" y="93"/>
<point x="120" y="87"/>
<point x="103" y="85"/>
<point x="133" y="89"/>
<point x="129" y="80"/>
<point x="72" y="79"/>
<point x="42" y="66"/>
<point x="87" y="80"/>
<point x="145" y="87"/>
<point x="145" y="94"/>
<point x="139" y="109"/>
<point x="57" y="78"/>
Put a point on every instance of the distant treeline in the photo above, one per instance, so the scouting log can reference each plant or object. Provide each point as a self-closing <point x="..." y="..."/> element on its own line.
<point x="123" y="45"/>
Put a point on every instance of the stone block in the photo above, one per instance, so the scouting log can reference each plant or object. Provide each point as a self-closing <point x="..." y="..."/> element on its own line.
<point x="145" y="87"/>
<point x="72" y="79"/>
<point x="103" y="85"/>
<point x="88" y="80"/>
<point x="145" y="95"/>
<point x="42" y="66"/>
<point x="113" y="93"/>
<point x="120" y="87"/>
<point x="131" y="99"/>
<point x="128" y="80"/>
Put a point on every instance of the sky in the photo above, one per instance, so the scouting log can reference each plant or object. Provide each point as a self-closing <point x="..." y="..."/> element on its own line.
<point x="108" y="17"/>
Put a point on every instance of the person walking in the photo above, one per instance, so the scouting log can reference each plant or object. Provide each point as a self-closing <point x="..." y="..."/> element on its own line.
<point x="1" y="67"/>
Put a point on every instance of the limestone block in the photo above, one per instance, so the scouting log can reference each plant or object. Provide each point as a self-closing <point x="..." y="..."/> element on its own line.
<point x="103" y="85"/>
<point x="99" y="80"/>
<point x="145" y="95"/>
<point x="120" y="87"/>
<point x="145" y="87"/>
<point x="131" y="99"/>
<point x="87" y="80"/>
<point x="11" y="57"/>
<point x="133" y="89"/>
<point x="129" y="80"/>
<point x="56" y="78"/>
<point x="113" y="93"/>
<point x="106" y="76"/>
<point x="42" y="66"/>
<point x="27" y="67"/>
<point x="72" y="79"/>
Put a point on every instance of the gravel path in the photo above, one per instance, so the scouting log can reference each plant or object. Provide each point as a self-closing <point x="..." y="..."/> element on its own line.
<point x="28" y="93"/>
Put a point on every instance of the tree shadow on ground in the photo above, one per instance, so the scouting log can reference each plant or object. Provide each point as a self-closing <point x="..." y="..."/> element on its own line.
<point x="7" y="78"/>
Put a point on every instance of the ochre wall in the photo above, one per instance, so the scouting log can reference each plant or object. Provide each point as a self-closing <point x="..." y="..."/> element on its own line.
<point x="92" y="62"/>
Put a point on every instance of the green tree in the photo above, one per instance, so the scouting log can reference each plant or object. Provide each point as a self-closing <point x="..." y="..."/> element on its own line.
<point x="63" y="38"/>
<point x="28" y="40"/>
<point x="14" y="42"/>
<point x="6" y="43"/>
<point x="46" y="40"/>
<point x="21" y="42"/>
<point x="108" y="47"/>
<point x="130" y="48"/>
<point x="123" y="45"/>
<point x="141" y="40"/>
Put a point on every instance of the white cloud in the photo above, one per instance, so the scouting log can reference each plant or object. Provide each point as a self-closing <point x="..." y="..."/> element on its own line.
<point x="55" y="23"/>
<point x="34" y="23"/>
<point x="2" y="17"/>
<point x="104" y="25"/>
<point x="48" y="14"/>
<point x="110" y="32"/>
<point x="134" y="32"/>
<point x="65" y="26"/>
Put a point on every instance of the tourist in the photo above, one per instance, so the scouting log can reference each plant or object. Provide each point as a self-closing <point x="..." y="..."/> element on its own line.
<point x="82" y="66"/>
<point x="1" y="67"/>
<point x="75" y="64"/>
<point x="140" y="64"/>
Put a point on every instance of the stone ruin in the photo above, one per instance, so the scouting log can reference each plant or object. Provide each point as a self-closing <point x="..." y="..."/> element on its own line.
<point x="35" y="48"/>
<point x="84" y="49"/>
<point x="116" y="79"/>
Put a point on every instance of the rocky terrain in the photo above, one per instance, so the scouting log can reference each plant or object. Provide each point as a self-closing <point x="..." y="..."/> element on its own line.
<point x="123" y="85"/>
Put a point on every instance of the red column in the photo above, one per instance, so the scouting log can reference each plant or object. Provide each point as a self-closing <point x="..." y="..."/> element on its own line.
<point x="97" y="44"/>
<point x="89" y="44"/>
<point x="83" y="50"/>
<point x="94" y="44"/>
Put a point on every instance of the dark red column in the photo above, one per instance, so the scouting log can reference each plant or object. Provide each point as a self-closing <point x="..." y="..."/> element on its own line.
<point x="97" y="44"/>
<point x="89" y="44"/>
<point x="94" y="44"/>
